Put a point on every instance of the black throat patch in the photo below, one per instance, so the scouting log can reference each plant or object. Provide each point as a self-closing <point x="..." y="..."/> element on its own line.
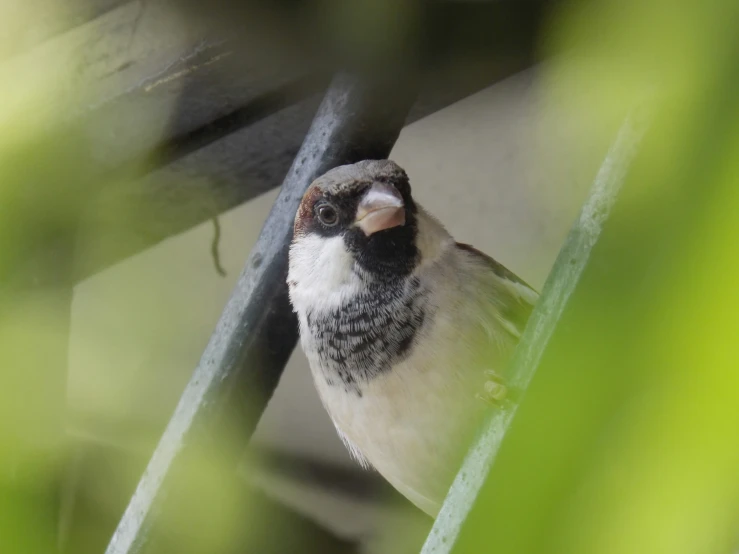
<point x="371" y="332"/>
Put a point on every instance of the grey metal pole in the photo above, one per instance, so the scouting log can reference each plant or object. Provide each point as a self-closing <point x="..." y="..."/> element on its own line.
<point x="359" y="118"/>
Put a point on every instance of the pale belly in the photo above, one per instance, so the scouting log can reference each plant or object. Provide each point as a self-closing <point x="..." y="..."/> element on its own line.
<point x="412" y="424"/>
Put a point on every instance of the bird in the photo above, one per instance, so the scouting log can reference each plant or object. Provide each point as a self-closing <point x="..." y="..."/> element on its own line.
<point x="407" y="332"/>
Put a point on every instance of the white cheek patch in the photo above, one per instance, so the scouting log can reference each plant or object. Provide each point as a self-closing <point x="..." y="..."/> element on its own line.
<point x="321" y="272"/>
<point x="317" y="261"/>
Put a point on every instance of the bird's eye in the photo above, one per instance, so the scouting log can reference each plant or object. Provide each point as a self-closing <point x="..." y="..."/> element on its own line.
<point x="327" y="214"/>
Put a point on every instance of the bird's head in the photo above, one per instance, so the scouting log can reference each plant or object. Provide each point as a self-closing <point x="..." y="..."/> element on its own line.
<point x="361" y="213"/>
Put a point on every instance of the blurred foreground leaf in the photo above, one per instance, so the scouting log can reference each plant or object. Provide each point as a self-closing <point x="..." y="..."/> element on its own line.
<point x="627" y="439"/>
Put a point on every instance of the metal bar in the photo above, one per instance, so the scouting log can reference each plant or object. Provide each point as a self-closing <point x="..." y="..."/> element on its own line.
<point x="331" y="477"/>
<point x="358" y="119"/>
<point x="561" y="283"/>
<point x="288" y="531"/>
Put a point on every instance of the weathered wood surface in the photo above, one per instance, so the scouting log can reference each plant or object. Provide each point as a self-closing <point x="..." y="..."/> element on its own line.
<point x="186" y="117"/>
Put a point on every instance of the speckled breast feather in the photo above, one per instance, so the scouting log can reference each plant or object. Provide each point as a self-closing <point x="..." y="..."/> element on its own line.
<point x="362" y="338"/>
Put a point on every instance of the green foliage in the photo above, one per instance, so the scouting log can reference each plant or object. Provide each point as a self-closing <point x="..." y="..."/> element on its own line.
<point x="626" y="440"/>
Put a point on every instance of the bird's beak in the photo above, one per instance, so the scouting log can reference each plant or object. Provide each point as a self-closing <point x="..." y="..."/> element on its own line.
<point x="381" y="208"/>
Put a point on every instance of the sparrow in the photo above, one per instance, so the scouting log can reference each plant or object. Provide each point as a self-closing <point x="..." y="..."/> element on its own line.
<point x="407" y="332"/>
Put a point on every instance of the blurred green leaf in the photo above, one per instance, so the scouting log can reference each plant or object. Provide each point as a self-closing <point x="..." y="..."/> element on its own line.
<point x="626" y="440"/>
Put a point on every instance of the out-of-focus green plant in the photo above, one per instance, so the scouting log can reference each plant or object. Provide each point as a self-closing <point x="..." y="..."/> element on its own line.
<point x="627" y="439"/>
<point x="47" y="177"/>
<point x="34" y="302"/>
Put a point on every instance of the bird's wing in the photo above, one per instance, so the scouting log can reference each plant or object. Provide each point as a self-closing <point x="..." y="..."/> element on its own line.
<point x="488" y="306"/>
<point x="514" y="297"/>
